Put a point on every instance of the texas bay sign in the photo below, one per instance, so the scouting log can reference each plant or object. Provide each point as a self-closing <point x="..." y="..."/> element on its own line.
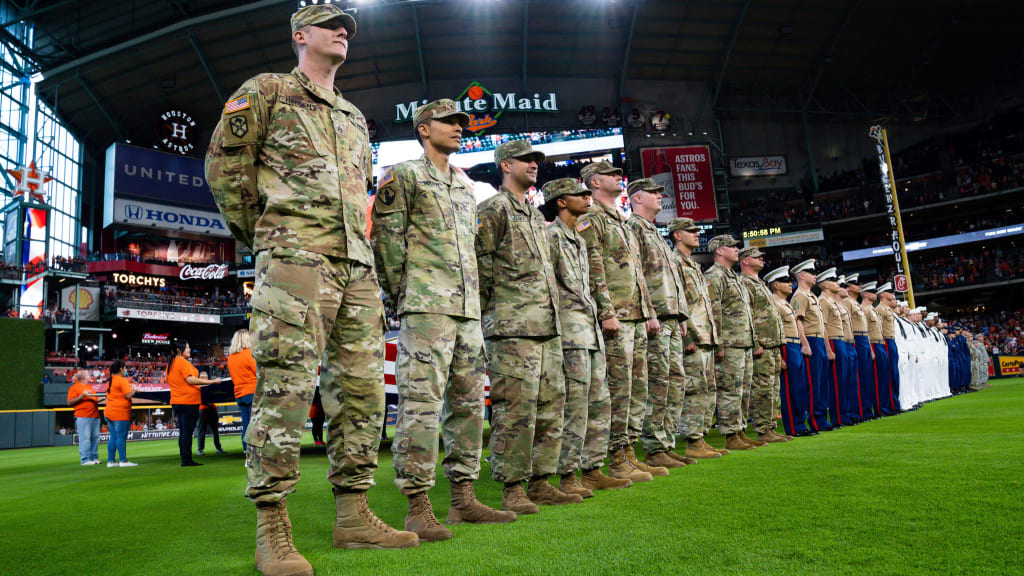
<point x="485" y="107"/>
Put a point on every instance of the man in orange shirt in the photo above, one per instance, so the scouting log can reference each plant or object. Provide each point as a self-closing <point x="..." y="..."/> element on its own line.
<point x="83" y="397"/>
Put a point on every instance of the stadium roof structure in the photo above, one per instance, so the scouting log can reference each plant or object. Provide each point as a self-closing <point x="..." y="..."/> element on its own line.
<point x="105" y="64"/>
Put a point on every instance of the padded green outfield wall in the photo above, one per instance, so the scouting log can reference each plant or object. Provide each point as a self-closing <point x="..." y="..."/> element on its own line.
<point x="21" y="364"/>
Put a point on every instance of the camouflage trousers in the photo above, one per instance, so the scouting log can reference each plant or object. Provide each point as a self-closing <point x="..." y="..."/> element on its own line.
<point x="626" y="356"/>
<point x="748" y="381"/>
<point x="765" y="401"/>
<point x="587" y="411"/>
<point x="711" y="407"/>
<point x="440" y="377"/>
<point x="699" y="366"/>
<point x="730" y="372"/>
<point x="308" y="307"/>
<point x="527" y="401"/>
<point x="664" y="373"/>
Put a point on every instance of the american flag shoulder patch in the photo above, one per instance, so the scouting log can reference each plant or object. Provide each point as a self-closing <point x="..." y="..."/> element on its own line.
<point x="240" y="103"/>
<point x="386" y="179"/>
<point x="581" y="226"/>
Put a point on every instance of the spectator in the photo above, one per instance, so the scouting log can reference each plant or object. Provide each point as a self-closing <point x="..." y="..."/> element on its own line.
<point x="84" y="398"/>
<point x="242" y="368"/>
<point x="209" y="419"/>
<point x="119" y="415"/>
<point x="184" y="381"/>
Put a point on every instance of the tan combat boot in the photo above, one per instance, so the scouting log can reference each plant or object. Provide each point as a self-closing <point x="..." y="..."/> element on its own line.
<point x="711" y="448"/>
<point x="275" y="553"/>
<point x="466" y="508"/>
<point x="540" y="491"/>
<point x="356" y="526"/>
<point x="513" y="499"/>
<point x="697" y="449"/>
<point x="735" y="442"/>
<point x="422" y="521"/>
<point x="748" y="440"/>
<point x="679" y="457"/>
<point x="596" y="480"/>
<point x="570" y="484"/>
<point x="662" y="460"/>
<point x="652" y="470"/>
<point x="619" y="467"/>
<point x="771" y="436"/>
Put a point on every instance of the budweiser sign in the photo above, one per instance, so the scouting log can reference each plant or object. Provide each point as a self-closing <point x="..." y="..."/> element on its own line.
<point x="211" y="272"/>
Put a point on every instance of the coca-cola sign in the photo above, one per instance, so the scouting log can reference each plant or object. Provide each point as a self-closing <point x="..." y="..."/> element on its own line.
<point x="211" y="272"/>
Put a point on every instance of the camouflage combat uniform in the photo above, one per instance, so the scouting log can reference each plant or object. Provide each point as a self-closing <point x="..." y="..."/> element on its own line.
<point x="665" y="376"/>
<point x="519" y="300"/>
<point x="289" y="166"/>
<point x="587" y="404"/>
<point x="733" y="372"/>
<point x="424" y="230"/>
<point x="699" y="365"/>
<point x="764" y="393"/>
<point x="620" y="291"/>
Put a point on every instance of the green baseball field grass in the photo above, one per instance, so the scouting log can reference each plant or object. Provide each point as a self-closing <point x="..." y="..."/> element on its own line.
<point x="937" y="491"/>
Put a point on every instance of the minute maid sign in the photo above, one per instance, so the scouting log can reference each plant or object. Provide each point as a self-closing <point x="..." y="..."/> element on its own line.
<point x="485" y="107"/>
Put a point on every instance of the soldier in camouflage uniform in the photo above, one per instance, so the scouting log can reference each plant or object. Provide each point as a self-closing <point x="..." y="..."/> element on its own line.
<point x="424" y="229"/>
<point x="519" y="299"/>
<point x="665" y="376"/>
<point x="624" y="308"/>
<point x="764" y="389"/>
<point x="698" y="343"/>
<point x="289" y="166"/>
<point x="734" y="361"/>
<point x="588" y="409"/>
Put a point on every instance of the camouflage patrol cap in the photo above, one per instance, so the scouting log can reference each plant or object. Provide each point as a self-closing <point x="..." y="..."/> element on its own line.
<point x="518" y="149"/>
<point x="555" y="189"/>
<point x="685" y="224"/>
<point x="594" y="168"/>
<point x="438" y="109"/>
<point x="751" y="252"/>
<point x="722" y="240"/>
<point x="646" y="185"/>
<point x="312" y="14"/>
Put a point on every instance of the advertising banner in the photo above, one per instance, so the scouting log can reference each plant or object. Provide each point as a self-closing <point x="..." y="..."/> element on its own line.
<point x="157" y="176"/>
<point x="1011" y="365"/>
<point x="192" y="317"/>
<point x="685" y="172"/>
<point x="757" y="166"/>
<point x="87" y="300"/>
<point x="167" y="217"/>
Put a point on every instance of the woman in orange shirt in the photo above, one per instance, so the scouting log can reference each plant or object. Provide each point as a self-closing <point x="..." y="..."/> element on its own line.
<point x="184" y="381"/>
<point x="119" y="415"/>
<point x="242" y="368"/>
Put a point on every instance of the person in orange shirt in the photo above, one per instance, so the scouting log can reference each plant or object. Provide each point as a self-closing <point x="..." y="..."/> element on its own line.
<point x="242" y="368"/>
<point x="119" y="415"/>
<point x="184" y="381"/>
<point x="84" y="398"/>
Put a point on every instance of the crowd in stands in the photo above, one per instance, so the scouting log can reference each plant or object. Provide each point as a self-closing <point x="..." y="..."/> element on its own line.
<point x="68" y="264"/>
<point x="932" y="272"/>
<point x="1004" y="329"/>
<point x="983" y="160"/>
<point x="128" y="256"/>
<point x="175" y="299"/>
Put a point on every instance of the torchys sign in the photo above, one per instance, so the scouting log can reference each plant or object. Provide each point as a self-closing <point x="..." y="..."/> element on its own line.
<point x="485" y="107"/>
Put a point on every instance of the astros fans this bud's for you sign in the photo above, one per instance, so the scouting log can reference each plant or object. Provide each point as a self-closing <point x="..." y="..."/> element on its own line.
<point x="685" y="172"/>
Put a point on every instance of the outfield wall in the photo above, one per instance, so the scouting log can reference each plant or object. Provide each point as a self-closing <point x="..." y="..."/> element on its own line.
<point x="21" y="363"/>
